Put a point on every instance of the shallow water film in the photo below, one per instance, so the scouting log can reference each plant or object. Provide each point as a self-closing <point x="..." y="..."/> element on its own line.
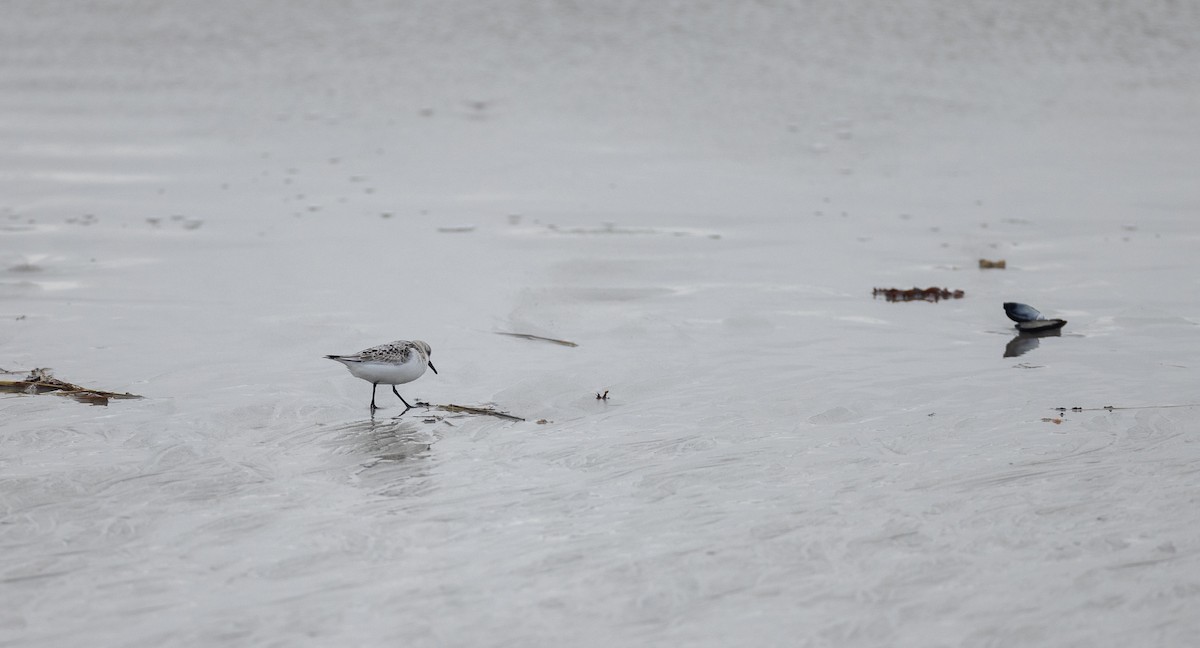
<point x="699" y="427"/>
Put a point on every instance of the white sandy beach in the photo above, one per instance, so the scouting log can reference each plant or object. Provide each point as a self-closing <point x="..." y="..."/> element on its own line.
<point x="200" y="200"/>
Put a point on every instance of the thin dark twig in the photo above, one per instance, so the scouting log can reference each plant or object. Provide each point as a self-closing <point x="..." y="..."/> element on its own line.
<point x="529" y="336"/>
<point x="1110" y="408"/>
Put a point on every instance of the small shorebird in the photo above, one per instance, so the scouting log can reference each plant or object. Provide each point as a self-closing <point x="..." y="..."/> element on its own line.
<point x="392" y="364"/>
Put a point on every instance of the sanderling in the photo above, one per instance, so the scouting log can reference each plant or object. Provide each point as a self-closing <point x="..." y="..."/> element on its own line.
<point x="392" y="364"/>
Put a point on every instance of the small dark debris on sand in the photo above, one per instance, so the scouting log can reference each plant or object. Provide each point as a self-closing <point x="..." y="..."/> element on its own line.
<point x="39" y="381"/>
<point x="985" y="264"/>
<point x="933" y="294"/>
<point x="530" y="336"/>
<point x="481" y="411"/>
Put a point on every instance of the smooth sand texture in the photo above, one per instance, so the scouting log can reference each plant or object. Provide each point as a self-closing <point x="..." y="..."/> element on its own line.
<point x="198" y="200"/>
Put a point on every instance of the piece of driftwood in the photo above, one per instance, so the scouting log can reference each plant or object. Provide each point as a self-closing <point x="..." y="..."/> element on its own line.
<point x="530" y="336"/>
<point x="39" y="381"/>
<point x="1110" y="408"/>
<point x="932" y="294"/>
<point x="985" y="264"/>
<point x="481" y="411"/>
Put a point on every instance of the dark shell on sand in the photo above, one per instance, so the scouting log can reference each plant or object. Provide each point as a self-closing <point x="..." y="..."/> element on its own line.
<point x="1018" y="312"/>
<point x="1041" y="325"/>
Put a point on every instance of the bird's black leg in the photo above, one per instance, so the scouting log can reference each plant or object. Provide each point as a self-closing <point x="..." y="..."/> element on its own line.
<point x="406" y="405"/>
<point x="373" y="407"/>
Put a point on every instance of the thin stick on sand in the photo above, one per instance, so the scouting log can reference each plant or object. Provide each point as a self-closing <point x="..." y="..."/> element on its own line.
<point x="481" y="411"/>
<point x="1110" y="408"/>
<point x="529" y="336"/>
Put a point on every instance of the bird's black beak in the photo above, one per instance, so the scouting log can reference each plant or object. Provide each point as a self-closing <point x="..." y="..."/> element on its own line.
<point x="433" y="367"/>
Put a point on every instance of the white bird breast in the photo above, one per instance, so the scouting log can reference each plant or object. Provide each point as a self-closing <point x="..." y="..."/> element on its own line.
<point x="387" y="373"/>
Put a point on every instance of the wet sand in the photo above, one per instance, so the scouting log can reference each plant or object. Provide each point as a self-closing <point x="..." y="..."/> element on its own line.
<point x="198" y="203"/>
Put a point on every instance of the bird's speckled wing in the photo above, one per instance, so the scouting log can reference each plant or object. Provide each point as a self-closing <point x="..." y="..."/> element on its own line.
<point x="393" y="352"/>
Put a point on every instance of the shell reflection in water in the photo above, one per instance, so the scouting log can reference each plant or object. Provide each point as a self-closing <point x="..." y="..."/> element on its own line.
<point x="1024" y="342"/>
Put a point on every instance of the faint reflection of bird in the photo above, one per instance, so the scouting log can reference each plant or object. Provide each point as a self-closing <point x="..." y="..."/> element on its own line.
<point x="392" y="364"/>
